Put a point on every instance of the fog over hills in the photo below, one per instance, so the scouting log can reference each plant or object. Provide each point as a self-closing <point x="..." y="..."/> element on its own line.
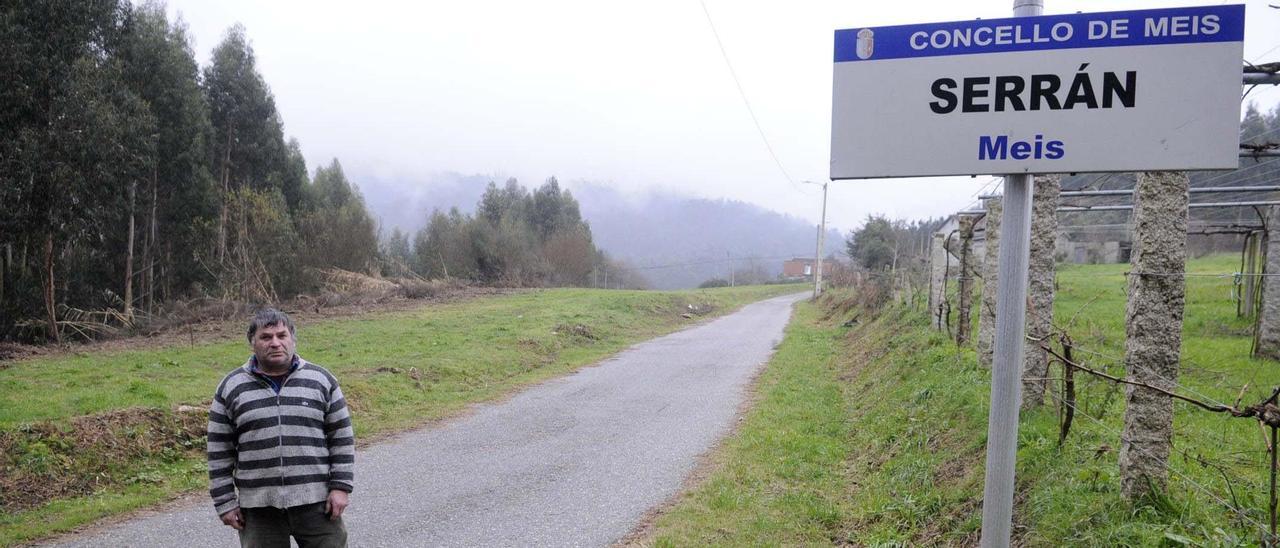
<point x="673" y="241"/>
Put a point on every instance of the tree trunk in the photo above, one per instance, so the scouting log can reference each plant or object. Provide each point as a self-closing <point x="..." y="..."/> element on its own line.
<point x="128" y="258"/>
<point x="226" y="189"/>
<point x="1153" y="329"/>
<point x="1044" y="233"/>
<point x="164" y="273"/>
<point x="50" y="311"/>
<point x="149" y="251"/>
<point x="4" y="271"/>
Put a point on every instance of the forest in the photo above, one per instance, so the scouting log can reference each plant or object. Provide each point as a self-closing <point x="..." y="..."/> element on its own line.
<point x="134" y="179"/>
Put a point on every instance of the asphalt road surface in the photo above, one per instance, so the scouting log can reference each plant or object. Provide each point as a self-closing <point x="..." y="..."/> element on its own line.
<point x="574" y="461"/>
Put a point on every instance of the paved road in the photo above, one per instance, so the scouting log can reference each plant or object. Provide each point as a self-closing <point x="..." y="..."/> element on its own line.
<point x="575" y="461"/>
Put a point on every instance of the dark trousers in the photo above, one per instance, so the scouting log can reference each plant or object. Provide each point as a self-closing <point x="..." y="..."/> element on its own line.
<point x="308" y="524"/>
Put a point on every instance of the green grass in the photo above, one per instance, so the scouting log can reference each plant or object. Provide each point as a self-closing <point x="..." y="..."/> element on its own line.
<point x="780" y="478"/>
<point x="461" y="353"/>
<point x="905" y="466"/>
<point x="1213" y="454"/>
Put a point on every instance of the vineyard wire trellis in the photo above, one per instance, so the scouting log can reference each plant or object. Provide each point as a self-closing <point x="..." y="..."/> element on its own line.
<point x="1272" y="415"/>
<point x="1238" y="511"/>
<point x="1186" y="478"/>
<point x="1266" y="412"/>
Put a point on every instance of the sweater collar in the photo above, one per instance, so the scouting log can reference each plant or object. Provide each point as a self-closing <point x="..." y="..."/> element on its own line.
<point x="252" y="365"/>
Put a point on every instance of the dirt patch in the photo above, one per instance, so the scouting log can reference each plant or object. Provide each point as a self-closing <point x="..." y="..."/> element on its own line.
<point x="953" y="471"/>
<point x="418" y="376"/>
<point x="14" y="351"/>
<point x="47" y="460"/>
<point x="932" y="534"/>
<point x="957" y="469"/>
<point x="576" y="330"/>
<point x="689" y="310"/>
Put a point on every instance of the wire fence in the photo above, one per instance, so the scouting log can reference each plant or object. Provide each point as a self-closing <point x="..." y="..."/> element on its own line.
<point x="1205" y="384"/>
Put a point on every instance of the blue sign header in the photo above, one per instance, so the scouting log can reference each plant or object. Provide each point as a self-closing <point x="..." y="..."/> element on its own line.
<point x="1079" y="30"/>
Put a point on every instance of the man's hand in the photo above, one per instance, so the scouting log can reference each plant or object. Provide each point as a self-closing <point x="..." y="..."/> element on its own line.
<point x="233" y="519"/>
<point x="336" y="504"/>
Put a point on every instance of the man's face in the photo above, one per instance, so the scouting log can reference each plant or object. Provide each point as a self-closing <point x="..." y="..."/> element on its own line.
<point x="273" y="345"/>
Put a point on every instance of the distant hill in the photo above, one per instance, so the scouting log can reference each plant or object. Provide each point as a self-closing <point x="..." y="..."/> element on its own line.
<point x="702" y="236"/>
<point x="673" y="241"/>
<point x="407" y="202"/>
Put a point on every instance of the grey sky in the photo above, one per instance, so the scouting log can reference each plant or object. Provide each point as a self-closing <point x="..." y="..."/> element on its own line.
<point x="631" y="94"/>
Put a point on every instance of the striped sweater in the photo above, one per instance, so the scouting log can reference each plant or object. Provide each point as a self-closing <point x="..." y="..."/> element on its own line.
<point x="279" y="450"/>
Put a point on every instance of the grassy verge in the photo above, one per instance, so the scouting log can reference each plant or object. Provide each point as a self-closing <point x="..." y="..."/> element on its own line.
<point x="97" y="435"/>
<point x="896" y="457"/>
<point x="780" y="479"/>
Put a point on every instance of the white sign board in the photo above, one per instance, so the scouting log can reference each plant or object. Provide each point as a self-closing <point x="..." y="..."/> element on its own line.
<point x="1121" y="91"/>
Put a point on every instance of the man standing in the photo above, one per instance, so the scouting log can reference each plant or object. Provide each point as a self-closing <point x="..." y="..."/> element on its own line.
<point x="281" y="447"/>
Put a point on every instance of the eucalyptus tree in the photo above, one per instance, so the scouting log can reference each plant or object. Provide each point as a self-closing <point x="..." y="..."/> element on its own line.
<point x="71" y="139"/>
<point x="178" y="199"/>
<point x="247" y="149"/>
<point x="337" y="228"/>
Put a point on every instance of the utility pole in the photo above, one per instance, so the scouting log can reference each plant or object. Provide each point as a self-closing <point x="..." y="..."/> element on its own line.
<point x="731" y="273"/>
<point x="821" y="239"/>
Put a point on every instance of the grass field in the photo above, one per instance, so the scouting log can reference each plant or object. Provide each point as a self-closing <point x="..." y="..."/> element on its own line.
<point x="875" y="435"/>
<point x="98" y="432"/>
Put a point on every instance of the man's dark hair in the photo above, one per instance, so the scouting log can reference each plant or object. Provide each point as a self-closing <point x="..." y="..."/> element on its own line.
<point x="268" y="317"/>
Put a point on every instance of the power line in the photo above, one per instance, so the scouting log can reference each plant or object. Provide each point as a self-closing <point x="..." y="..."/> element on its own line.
<point x="725" y="55"/>
<point x="1264" y="54"/>
<point x="981" y="191"/>
<point x="1266" y="133"/>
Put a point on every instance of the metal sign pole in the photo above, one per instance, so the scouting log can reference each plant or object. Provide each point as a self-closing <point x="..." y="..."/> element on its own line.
<point x="1006" y="371"/>
<point x="1006" y="374"/>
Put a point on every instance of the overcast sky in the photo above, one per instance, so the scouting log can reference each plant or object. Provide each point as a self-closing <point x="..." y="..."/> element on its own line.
<point x="635" y="95"/>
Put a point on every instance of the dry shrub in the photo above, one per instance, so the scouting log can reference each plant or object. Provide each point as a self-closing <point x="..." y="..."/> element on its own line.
<point x="418" y="288"/>
<point x="184" y="313"/>
<point x="864" y="293"/>
<point x="843" y="276"/>
<point x="337" y="288"/>
<point x="837" y="303"/>
<point x="345" y="281"/>
<point x="873" y="292"/>
<point x="48" y="460"/>
<point x="342" y="287"/>
<point x="345" y="287"/>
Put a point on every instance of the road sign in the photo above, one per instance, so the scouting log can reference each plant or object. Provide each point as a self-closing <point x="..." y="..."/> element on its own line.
<point x="1117" y="91"/>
